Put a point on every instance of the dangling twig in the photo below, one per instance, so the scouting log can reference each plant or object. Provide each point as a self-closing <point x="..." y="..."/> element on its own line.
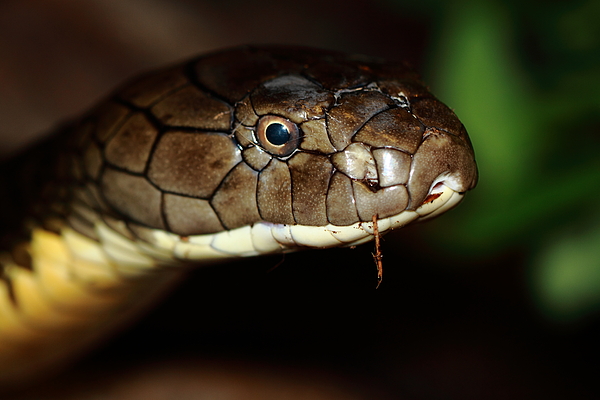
<point x="377" y="256"/>
<point x="277" y="265"/>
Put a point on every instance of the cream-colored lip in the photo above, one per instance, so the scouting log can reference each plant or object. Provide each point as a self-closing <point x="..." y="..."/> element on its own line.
<point x="267" y="238"/>
<point x="134" y="257"/>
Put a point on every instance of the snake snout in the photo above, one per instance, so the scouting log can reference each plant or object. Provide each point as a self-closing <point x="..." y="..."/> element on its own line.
<point x="384" y="179"/>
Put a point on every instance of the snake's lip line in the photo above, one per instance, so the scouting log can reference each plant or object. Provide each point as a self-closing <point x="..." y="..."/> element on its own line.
<point x="268" y="238"/>
<point x="134" y="257"/>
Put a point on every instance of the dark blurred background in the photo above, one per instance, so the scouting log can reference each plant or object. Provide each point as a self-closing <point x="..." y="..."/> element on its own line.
<point x="498" y="299"/>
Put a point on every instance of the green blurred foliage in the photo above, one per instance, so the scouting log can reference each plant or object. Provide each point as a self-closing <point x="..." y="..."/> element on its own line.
<point x="524" y="77"/>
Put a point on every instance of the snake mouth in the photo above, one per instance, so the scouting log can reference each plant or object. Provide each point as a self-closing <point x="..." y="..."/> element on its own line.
<point x="441" y="198"/>
<point x="268" y="238"/>
<point x="263" y="238"/>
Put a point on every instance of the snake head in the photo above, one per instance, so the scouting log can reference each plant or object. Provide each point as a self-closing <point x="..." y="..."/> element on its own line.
<point x="304" y="146"/>
<point x="349" y="154"/>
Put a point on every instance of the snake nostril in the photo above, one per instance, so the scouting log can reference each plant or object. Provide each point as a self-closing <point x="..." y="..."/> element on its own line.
<point x="371" y="184"/>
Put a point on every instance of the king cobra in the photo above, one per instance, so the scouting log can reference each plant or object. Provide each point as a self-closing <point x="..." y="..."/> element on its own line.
<point x="243" y="152"/>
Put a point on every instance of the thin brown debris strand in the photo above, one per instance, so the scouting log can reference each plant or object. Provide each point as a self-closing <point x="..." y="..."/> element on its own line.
<point x="377" y="256"/>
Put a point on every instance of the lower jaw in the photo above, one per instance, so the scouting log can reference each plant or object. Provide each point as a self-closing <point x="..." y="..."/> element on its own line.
<point x="162" y="248"/>
<point x="267" y="238"/>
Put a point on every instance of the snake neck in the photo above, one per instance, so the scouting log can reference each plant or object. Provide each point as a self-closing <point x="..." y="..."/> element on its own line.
<point x="60" y="290"/>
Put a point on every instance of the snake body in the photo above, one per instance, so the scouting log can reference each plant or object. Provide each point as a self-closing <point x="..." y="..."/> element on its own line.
<point x="247" y="151"/>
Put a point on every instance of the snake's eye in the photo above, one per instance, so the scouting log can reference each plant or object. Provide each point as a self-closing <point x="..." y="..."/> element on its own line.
<point x="277" y="135"/>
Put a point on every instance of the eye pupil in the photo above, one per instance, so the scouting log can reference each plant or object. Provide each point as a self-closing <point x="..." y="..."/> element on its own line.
<point x="277" y="134"/>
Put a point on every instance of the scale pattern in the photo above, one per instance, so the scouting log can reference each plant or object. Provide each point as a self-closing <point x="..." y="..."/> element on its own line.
<point x="177" y="150"/>
<point x="178" y="165"/>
